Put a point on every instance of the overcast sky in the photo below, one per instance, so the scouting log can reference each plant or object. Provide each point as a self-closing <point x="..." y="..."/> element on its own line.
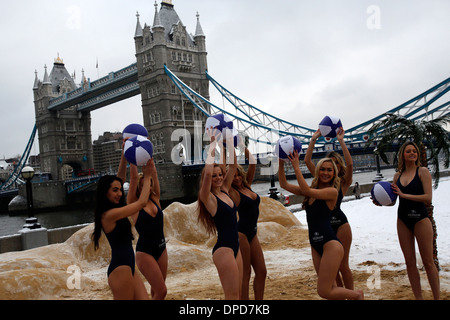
<point x="298" y="60"/>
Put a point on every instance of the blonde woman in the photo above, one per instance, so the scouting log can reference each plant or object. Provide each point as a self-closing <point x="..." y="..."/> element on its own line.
<point x="151" y="252"/>
<point x="339" y="221"/>
<point x="320" y="200"/>
<point x="247" y="202"/>
<point x="413" y="184"/>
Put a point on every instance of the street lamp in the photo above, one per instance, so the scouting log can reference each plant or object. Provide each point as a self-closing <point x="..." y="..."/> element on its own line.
<point x="31" y="221"/>
<point x="379" y="175"/>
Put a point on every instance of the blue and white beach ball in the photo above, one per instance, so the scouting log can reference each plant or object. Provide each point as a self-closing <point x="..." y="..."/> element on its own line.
<point x="286" y="145"/>
<point x="329" y="126"/>
<point x="138" y="150"/>
<point x="133" y="130"/>
<point x="221" y="122"/>
<point x="383" y="194"/>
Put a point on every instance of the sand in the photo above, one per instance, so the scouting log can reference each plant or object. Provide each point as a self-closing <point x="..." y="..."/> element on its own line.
<point x="74" y="271"/>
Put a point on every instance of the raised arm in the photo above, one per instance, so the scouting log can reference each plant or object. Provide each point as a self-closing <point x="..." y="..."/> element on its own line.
<point x="232" y="168"/>
<point x="111" y="216"/>
<point x="348" y="178"/>
<point x="328" y="194"/>
<point x="156" y="191"/>
<point x="308" y="156"/>
<point x="204" y="193"/>
<point x="122" y="171"/>
<point x="251" y="166"/>
<point x="134" y="180"/>
<point x="283" y="181"/>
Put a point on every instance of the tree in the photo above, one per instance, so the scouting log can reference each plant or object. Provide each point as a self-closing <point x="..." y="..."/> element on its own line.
<point x="430" y="136"/>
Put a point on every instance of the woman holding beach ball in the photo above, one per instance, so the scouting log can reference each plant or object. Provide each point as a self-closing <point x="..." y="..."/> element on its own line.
<point x="218" y="214"/>
<point x="111" y="217"/>
<point x="413" y="185"/>
<point x="339" y="221"/>
<point x="247" y="202"/>
<point x="320" y="200"/>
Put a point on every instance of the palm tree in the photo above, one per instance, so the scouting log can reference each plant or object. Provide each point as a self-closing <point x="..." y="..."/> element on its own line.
<point x="429" y="135"/>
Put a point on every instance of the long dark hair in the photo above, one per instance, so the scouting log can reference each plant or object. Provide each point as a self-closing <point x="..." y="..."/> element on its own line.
<point x="103" y="204"/>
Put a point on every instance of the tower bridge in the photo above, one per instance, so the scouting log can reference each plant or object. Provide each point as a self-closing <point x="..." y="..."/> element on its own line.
<point x="171" y="75"/>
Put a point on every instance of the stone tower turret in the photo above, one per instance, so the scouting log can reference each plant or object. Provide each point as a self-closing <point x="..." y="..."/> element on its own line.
<point x="65" y="143"/>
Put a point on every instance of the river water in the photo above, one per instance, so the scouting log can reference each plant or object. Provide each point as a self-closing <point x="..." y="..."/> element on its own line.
<point x="12" y="224"/>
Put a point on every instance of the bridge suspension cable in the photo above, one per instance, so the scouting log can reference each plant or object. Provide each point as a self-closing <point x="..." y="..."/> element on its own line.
<point x="261" y="135"/>
<point x="257" y="123"/>
<point x="15" y="175"/>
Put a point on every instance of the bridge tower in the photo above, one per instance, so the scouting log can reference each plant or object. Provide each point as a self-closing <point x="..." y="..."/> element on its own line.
<point x="65" y="143"/>
<point x="167" y="42"/>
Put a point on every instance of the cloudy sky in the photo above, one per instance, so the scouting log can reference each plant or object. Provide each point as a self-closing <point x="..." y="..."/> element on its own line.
<point x="298" y="60"/>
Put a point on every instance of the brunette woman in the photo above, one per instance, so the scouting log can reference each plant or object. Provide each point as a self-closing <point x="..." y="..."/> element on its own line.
<point x="111" y="217"/>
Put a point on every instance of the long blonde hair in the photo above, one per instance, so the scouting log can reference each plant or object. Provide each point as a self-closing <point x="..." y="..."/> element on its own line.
<point x="242" y="173"/>
<point x="340" y="160"/>
<point x="335" y="182"/>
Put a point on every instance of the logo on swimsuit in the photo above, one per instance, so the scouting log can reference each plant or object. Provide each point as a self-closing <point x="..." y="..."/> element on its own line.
<point x="317" y="237"/>
<point x="413" y="214"/>
<point x="335" y="220"/>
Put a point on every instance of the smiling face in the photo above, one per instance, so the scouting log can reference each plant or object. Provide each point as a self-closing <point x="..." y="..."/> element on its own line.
<point x="217" y="178"/>
<point x="326" y="172"/>
<point x="410" y="153"/>
<point x="114" y="192"/>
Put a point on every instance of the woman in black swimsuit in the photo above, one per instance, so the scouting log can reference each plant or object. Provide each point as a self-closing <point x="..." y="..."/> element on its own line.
<point x="339" y="221"/>
<point x="247" y="203"/>
<point x="217" y="212"/>
<point x="412" y="183"/>
<point x="320" y="200"/>
<point x="111" y="216"/>
<point x="151" y="252"/>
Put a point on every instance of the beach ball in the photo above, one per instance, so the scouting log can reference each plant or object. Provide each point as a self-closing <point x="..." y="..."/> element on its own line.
<point x="133" y="130"/>
<point x="383" y="194"/>
<point x="221" y="122"/>
<point x="329" y="126"/>
<point x="286" y="145"/>
<point x="138" y="150"/>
